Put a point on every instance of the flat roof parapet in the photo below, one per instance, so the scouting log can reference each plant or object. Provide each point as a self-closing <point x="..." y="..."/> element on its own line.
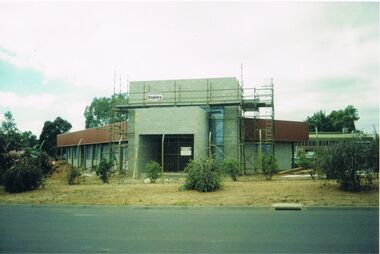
<point x="184" y="92"/>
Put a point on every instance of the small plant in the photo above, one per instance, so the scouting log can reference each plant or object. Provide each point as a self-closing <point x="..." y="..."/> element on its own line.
<point x="23" y="176"/>
<point x="72" y="175"/>
<point x="232" y="168"/>
<point x="153" y="171"/>
<point x="103" y="170"/>
<point x="203" y="175"/>
<point x="307" y="162"/>
<point x="269" y="166"/>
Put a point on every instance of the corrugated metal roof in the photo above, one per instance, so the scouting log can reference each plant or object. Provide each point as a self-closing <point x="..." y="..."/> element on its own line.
<point x="93" y="135"/>
<point x="284" y="131"/>
<point x="290" y="131"/>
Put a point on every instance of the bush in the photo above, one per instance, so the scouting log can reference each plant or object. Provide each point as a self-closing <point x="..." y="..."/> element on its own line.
<point x="350" y="163"/>
<point x="23" y="176"/>
<point x="46" y="166"/>
<point x="28" y="155"/>
<point x="306" y="162"/>
<point x="72" y="175"/>
<point x="103" y="170"/>
<point x="232" y="168"/>
<point x="203" y="175"/>
<point x="269" y="166"/>
<point x="153" y="171"/>
<point x="6" y="162"/>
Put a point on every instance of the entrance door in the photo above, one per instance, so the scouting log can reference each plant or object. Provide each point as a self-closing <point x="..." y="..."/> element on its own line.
<point x="178" y="151"/>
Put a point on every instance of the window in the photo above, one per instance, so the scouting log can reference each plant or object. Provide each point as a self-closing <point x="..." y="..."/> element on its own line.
<point x="88" y="152"/>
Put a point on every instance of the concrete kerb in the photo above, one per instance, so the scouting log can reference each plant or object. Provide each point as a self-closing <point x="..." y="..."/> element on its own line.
<point x="247" y="207"/>
<point x="287" y="206"/>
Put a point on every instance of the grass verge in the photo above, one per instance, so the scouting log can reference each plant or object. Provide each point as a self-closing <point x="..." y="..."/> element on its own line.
<point x="248" y="191"/>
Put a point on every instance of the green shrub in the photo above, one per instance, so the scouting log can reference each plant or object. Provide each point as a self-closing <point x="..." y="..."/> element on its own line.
<point x="28" y="155"/>
<point x="153" y="171"/>
<point x="103" y="170"/>
<point x="232" y="168"/>
<point x="6" y="162"/>
<point x="72" y="175"/>
<point x="23" y="176"/>
<point x="46" y="166"/>
<point x="306" y="162"/>
<point x="350" y="163"/>
<point x="269" y="166"/>
<point x="203" y="175"/>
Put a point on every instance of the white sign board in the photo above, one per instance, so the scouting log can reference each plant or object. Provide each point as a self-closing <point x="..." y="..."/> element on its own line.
<point x="154" y="97"/>
<point x="185" y="151"/>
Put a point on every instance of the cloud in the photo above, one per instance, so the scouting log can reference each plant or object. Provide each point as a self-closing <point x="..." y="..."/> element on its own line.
<point x="34" y="101"/>
<point x="28" y="111"/>
<point x="321" y="55"/>
<point x="31" y="111"/>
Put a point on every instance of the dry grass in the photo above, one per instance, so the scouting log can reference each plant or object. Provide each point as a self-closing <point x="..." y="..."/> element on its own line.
<point x="248" y="191"/>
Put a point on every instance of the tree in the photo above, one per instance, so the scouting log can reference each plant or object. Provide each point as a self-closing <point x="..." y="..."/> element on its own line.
<point x="49" y="134"/>
<point x="9" y="125"/>
<point x="344" y="118"/>
<point x="319" y="120"/>
<point x="12" y="138"/>
<point x="99" y="113"/>
<point x="335" y="121"/>
<point x="28" y="139"/>
<point x="20" y="162"/>
<point x="10" y="133"/>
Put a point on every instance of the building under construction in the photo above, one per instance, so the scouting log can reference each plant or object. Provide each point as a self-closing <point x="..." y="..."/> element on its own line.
<point x="174" y="121"/>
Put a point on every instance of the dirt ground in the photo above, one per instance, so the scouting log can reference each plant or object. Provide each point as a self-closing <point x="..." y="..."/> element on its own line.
<point x="248" y="191"/>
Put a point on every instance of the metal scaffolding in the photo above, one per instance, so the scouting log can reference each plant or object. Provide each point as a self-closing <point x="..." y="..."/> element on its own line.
<point x="117" y="133"/>
<point x="261" y="136"/>
<point x="265" y="95"/>
<point x="258" y="101"/>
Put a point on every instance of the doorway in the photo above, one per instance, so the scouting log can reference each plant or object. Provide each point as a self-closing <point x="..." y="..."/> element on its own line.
<point x="178" y="150"/>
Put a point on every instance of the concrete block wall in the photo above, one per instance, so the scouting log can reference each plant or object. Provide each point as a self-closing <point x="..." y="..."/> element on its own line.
<point x="283" y="155"/>
<point x="185" y="91"/>
<point x="158" y="121"/>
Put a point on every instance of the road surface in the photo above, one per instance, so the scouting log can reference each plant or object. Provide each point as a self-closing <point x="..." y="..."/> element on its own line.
<point x="49" y="228"/>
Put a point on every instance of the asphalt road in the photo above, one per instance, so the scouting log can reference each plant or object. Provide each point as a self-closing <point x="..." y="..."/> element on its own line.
<point x="44" y="228"/>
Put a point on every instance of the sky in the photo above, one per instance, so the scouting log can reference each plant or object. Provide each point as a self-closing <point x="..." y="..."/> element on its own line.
<point x="55" y="57"/>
